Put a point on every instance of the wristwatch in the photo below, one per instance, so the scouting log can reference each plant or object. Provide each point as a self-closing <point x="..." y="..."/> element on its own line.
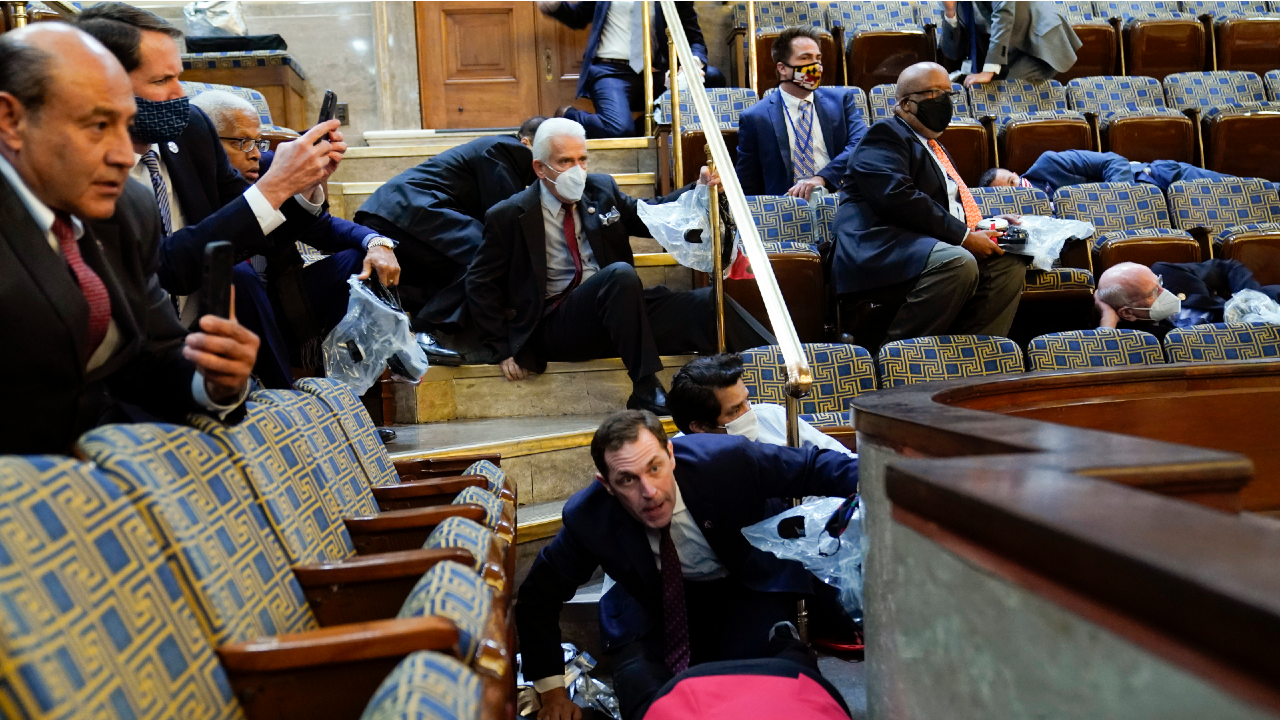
<point x="380" y="241"/>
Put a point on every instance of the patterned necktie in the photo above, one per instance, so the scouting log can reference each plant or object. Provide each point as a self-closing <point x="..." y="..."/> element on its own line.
<point x="152" y="161"/>
<point x="971" y="213"/>
<point x="636" y="55"/>
<point x="971" y="25"/>
<point x="95" y="291"/>
<point x="804" y="143"/>
<point x="675" y="615"/>
<point x="571" y="239"/>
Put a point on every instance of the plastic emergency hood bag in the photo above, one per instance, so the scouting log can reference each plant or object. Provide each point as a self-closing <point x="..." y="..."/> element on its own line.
<point x="1046" y="236"/>
<point x="373" y="335"/>
<point x="683" y="228"/>
<point x="836" y="561"/>
<point x="1251" y="306"/>
<point x="215" y="17"/>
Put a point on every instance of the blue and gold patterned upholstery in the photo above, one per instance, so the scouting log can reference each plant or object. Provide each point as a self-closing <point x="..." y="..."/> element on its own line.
<point x="1101" y="348"/>
<point x="1248" y="228"/>
<point x="469" y="535"/>
<point x="1142" y="10"/>
<point x="427" y="686"/>
<point x="1220" y="203"/>
<point x="774" y="16"/>
<point x="1058" y="279"/>
<point x="883" y="97"/>
<point x="824" y="220"/>
<point x="789" y="248"/>
<point x="94" y="623"/>
<point x="243" y="59"/>
<point x="453" y="591"/>
<point x="883" y="15"/>
<point x="255" y="98"/>
<point x="994" y="201"/>
<point x="1078" y="13"/>
<point x="358" y="426"/>
<point x="496" y="509"/>
<point x="782" y="219"/>
<point x="1221" y="88"/>
<point x="1009" y="100"/>
<point x="497" y="479"/>
<point x="726" y="103"/>
<point x="840" y="373"/>
<point x="1144" y="234"/>
<point x="946" y="357"/>
<point x="213" y="535"/>
<point x="1112" y="206"/>
<point x="1272" y="82"/>
<point x="1221" y="11"/>
<point x="1222" y="342"/>
<point x="1112" y="98"/>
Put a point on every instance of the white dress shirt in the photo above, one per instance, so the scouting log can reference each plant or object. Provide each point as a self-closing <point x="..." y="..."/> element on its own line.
<point x="615" y="37"/>
<point x="44" y="218"/>
<point x="560" y="267"/>
<point x="791" y="108"/>
<point x="953" y="190"/>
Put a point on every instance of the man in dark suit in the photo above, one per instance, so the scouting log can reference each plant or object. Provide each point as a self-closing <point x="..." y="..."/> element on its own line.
<point x="612" y="72"/>
<point x="90" y="335"/>
<point x="534" y="297"/>
<point x="436" y="212"/>
<point x="905" y="224"/>
<point x="1159" y="298"/>
<point x="665" y="520"/>
<point x="201" y="197"/>
<point x="1008" y="40"/>
<point x="1055" y="169"/>
<point x="799" y="138"/>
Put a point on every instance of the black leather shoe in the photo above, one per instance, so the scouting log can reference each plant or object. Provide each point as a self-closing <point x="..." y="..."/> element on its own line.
<point x="652" y="398"/>
<point x="386" y="435"/>
<point x="437" y="354"/>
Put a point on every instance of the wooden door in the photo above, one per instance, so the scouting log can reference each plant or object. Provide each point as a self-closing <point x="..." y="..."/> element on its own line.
<point x="560" y="51"/>
<point x="477" y="66"/>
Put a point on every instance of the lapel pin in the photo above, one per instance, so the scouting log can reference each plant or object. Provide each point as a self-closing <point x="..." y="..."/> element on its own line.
<point x="591" y="210"/>
<point x="173" y="146"/>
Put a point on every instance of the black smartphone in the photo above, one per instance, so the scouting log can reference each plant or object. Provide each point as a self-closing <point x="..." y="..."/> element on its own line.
<point x="328" y="108"/>
<point x="215" y="294"/>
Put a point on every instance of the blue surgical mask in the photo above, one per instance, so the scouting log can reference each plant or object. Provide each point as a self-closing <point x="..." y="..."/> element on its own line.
<point x="160" y="121"/>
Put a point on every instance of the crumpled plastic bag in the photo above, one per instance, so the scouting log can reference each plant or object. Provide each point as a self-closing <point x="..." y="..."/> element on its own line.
<point x="1046" y="236"/>
<point x="675" y="224"/>
<point x="369" y="337"/>
<point x="835" y="561"/>
<point x="212" y="18"/>
<point x="1251" y="306"/>
<point x="584" y="690"/>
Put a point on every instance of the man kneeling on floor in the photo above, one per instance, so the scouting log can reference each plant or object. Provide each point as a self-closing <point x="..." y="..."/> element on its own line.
<point x="664" y="519"/>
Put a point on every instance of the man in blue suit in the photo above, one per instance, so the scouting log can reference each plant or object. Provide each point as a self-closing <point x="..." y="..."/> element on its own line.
<point x="799" y="138"/>
<point x="664" y="519"/>
<point x="612" y="72"/>
<point x="1053" y="170"/>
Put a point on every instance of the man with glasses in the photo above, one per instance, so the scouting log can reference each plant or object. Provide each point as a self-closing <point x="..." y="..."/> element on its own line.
<point x="301" y="301"/>
<point x="1159" y="298"/>
<point x="906" y="225"/>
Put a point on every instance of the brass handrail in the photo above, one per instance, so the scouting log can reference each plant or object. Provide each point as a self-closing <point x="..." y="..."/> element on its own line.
<point x="647" y="10"/>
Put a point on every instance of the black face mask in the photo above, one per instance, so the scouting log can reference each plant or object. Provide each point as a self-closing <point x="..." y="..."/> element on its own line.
<point x="934" y="113"/>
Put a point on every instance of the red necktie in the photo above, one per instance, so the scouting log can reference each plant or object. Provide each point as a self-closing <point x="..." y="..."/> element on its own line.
<point x="971" y="213"/>
<point x="571" y="239"/>
<point x="95" y="291"/>
<point x="675" y="615"/>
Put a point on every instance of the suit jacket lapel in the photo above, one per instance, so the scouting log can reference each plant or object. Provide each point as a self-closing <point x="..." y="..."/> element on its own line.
<point x="184" y="184"/>
<point x="828" y="112"/>
<point x="929" y="158"/>
<point x="777" y="113"/>
<point x="590" y="207"/>
<point x="535" y="234"/>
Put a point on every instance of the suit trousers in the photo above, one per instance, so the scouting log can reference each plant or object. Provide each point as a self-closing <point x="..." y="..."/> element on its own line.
<point x="611" y="314"/>
<point x="1163" y="173"/>
<point x="961" y="295"/>
<point x="616" y="90"/>
<point x="727" y="621"/>
<point x="1027" y="67"/>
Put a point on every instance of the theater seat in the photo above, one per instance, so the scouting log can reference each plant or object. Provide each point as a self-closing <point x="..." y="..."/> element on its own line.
<point x="1131" y="118"/>
<point x="1131" y="221"/>
<point x="727" y="104"/>
<point x="880" y="39"/>
<point x="1235" y="218"/>
<point x="965" y="139"/>
<point x="1027" y="119"/>
<point x="432" y="686"/>
<point x="840" y="373"/>
<point x="1272" y="82"/>
<point x="1223" y="342"/>
<point x="1094" y="349"/>
<point x="1157" y="37"/>
<point x="946" y="357"/>
<point x="1244" y="35"/>
<point x="771" y="19"/>
<point x="1238" y="125"/>
<point x="1097" y="53"/>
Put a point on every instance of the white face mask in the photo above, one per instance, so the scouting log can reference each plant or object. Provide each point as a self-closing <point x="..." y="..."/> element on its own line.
<point x="1166" y="305"/>
<point x="746" y="425"/>
<point x="570" y="183"/>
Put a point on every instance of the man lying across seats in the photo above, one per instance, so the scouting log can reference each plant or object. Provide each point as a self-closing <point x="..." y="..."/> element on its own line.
<point x="906" y="224"/>
<point x="90" y="336"/>
<point x="1159" y="298"/>
<point x="536" y="298"/>
<point x="201" y="197"/>
<point x="799" y="138"/>
<point x="664" y="520"/>
<point x="1055" y="169"/>
<point x="303" y="302"/>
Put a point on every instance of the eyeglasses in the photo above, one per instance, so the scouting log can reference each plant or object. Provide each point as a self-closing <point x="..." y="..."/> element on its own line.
<point x="246" y="145"/>
<point x="955" y="95"/>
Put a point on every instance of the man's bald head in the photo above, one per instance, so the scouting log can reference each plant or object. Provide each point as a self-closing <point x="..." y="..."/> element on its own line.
<point x="921" y="77"/>
<point x="1128" y="286"/>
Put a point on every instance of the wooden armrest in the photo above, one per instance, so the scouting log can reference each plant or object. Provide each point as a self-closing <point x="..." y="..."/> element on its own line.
<point x="438" y="467"/>
<point x="415" y="488"/>
<point x="383" y="566"/>
<point x="412" y="519"/>
<point x="369" y="587"/>
<point x="342" y="644"/>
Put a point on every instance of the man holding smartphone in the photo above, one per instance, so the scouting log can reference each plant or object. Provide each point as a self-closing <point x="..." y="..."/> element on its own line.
<point x="90" y="336"/>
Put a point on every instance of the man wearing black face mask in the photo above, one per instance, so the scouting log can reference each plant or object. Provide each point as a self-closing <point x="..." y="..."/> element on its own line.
<point x="905" y="225"/>
<point x="798" y="139"/>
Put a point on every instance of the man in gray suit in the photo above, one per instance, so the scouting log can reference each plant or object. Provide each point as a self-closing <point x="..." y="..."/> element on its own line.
<point x="1008" y="40"/>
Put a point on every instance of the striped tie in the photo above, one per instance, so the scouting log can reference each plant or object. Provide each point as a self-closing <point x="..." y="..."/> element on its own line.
<point x="804" y="143"/>
<point x="152" y="161"/>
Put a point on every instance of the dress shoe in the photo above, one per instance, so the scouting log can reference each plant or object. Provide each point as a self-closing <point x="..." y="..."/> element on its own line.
<point x="437" y="354"/>
<point x="386" y="435"/>
<point x="652" y="398"/>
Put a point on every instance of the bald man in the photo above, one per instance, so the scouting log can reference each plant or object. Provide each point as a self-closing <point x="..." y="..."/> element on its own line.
<point x="90" y="335"/>
<point x="906" y="223"/>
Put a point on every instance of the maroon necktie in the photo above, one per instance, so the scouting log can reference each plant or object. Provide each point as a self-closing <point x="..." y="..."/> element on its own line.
<point x="571" y="239"/>
<point x="675" y="616"/>
<point x="95" y="291"/>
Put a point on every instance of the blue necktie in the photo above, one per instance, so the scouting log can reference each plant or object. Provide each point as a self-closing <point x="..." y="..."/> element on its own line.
<point x="804" y="142"/>
<point x="152" y="161"/>
<point x="972" y="25"/>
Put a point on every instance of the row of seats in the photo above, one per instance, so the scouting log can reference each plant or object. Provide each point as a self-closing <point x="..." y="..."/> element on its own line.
<point x="282" y="567"/>
<point x="843" y="372"/>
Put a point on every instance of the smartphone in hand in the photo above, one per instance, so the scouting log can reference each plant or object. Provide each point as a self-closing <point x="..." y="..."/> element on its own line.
<point x="215" y="293"/>
<point x="328" y="108"/>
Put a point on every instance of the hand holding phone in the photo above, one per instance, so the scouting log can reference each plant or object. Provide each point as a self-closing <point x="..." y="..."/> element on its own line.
<point x="328" y="109"/>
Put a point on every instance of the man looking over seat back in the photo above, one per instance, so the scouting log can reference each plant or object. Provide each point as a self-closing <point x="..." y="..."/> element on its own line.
<point x="664" y="519"/>
<point x="798" y="139"/>
<point x="90" y="336"/>
<point x="536" y="298"/>
<point x="906" y="224"/>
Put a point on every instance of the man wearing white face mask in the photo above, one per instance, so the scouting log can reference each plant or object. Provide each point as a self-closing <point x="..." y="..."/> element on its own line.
<point x="555" y="280"/>
<point x="1132" y="296"/>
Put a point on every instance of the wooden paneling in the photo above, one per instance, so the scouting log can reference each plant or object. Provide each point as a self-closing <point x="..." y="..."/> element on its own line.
<point x="560" y="51"/>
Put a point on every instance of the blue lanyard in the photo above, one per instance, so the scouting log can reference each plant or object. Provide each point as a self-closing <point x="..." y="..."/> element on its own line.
<point x="787" y="111"/>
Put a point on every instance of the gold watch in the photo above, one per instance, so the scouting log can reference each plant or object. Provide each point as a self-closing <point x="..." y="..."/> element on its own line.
<point x="380" y="241"/>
